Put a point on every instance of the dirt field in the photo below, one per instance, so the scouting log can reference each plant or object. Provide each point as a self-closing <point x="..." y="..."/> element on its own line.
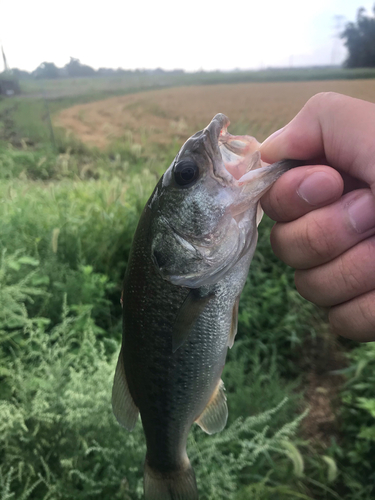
<point x="162" y="116"/>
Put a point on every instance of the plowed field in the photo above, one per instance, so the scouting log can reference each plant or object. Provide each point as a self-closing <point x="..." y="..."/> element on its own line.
<point x="162" y="116"/>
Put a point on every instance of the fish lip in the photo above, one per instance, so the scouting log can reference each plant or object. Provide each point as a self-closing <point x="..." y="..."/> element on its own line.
<point x="217" y="125"/>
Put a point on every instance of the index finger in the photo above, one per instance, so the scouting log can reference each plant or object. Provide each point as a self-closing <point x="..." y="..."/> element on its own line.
<point x="334" y="126"/>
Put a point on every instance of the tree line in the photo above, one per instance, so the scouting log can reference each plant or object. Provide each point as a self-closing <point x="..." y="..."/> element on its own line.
<point x="74" y="68"/>
<point x="359" y="39"/>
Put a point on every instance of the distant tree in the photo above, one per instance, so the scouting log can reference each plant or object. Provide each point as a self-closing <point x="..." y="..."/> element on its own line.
<point x="20" y="74"/>
<point x="360" y="40"/>
<point x="75" y="68"/>
<point x="46" y="70"/>
<point x="106" y="71"/>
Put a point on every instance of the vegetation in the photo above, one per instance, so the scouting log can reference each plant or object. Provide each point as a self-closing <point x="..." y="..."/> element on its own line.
<point x="67" y="216"/>
<point x="357" y="417"/>
<point x="360" y="41"/>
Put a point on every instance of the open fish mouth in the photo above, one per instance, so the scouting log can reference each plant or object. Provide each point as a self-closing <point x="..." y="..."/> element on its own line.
<point x="236" y="163"/>
<point x="235" y="156"/>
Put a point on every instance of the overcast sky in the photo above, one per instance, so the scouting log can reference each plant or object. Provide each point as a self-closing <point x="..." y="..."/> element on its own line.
<point x="192" y="35"/>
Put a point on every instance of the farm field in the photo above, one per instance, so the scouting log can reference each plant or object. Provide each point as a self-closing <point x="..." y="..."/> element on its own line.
<point x="301" y="403"/>
<point x="163" y="116"/>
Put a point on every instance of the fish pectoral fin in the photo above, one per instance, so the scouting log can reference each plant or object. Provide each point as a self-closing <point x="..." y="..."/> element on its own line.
<point x="234" y="324"/>
<point x="123" y="405"/>
<point x="187" y="315"/>
<point x="215" y="415"/>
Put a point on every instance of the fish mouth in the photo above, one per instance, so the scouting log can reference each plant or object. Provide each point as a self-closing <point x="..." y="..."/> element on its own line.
<point x="234" y="156"/>
<point x="236" y="163"/>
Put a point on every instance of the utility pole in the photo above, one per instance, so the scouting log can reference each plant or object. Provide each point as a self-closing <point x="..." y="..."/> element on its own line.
<point x="6" y="68"/>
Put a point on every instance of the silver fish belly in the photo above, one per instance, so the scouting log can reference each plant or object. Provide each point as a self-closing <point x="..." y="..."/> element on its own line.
<point x="187" y="267"/>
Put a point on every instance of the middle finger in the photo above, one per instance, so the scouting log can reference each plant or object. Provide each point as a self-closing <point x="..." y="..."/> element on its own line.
<point x="325" y="233"/>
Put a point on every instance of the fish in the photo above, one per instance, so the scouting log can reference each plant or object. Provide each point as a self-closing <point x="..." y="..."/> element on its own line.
<point x="187" y="267"/>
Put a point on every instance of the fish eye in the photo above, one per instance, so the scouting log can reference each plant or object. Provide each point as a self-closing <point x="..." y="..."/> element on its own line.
<point x="186" y="172"/>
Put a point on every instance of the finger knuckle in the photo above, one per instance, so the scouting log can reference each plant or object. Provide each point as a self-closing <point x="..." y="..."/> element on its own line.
<point x="302" y="283"/>
<point x="277" y="204"/>
<point x="368" y="250"/>
<point x="355" y="319"/>
<point x="324" y="99"/>
<point x="350" y="271"/>
<point x="336" y="321"/>
<point x="366" y="311"/>
<point x="317" y="243"/>
<point x="355" y="267"/>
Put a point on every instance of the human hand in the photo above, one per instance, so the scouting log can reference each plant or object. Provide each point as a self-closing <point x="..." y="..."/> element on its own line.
<point x="328" y="236"/>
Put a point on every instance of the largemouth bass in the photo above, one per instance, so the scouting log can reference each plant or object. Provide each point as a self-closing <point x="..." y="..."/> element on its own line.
<point x="188" y="264"/>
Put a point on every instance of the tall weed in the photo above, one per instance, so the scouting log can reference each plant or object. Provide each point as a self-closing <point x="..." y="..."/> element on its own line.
<point x="80" y="232"/>
<point x="356" y="450"/>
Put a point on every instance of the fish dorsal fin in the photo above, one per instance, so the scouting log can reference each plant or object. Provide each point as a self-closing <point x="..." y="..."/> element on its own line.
<point x="191" y="309"/>
<point x="259" y="214"/>
<point x="123" y="405"/>
<point x="215" y="415"/>
<point x="234" y="324"/>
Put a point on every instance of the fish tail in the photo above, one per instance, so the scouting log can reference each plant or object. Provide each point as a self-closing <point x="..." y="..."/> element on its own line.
<point x="176" y="485"/>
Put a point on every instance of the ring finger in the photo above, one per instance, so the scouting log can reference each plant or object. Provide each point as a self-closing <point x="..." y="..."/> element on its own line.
<point x="344" y="278"/>
<point x="355" y="319"/>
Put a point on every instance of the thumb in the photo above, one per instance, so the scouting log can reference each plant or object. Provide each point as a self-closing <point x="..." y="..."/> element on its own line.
<point x="332" y="126"/>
